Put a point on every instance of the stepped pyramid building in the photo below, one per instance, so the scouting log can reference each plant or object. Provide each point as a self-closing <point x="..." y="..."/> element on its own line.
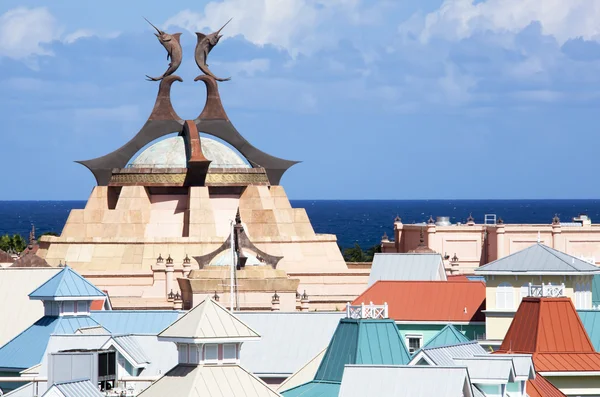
<point x="170" y="204"/>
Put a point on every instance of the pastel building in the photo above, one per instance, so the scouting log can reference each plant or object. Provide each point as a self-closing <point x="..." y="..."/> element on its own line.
<point x="470" y="244"/>
<point x="421" y="309"/>
<point x="551" y="331"/>
<point x="534" y="271"/>
<point x="209" y="343"/>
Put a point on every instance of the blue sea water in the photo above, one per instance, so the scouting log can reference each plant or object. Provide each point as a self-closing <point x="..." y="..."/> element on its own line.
<point x="363" y="222"/>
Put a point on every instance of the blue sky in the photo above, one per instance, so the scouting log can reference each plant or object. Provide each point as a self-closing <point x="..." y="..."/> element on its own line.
<point x="380" y="99"/>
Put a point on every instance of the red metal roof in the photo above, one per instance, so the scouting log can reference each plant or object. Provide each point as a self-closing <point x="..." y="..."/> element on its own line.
<point x="547" y="325"/>
<point x="551" y="330"/>
<point x="540" y="387"/>
<point x="457" y="277"/>
<point x="428" y="300"/>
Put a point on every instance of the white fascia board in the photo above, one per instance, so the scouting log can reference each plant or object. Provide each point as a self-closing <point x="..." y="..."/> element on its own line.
<point x="203" y="341"/>
<point x="69" y="298"/>
<point x="485" y="381"/>
<point x="534" y="273"/>
<point x="440" y="322"/>
<point x="571" y="373"/>
<point x="420" y="355"/>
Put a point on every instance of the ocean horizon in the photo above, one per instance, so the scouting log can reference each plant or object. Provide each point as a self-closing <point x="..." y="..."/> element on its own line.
<point x="352" y="221"/>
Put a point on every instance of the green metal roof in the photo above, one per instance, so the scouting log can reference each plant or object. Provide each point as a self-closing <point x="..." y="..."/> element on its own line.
<point x="314" y="389"/>
<point x="362" y="342"/>
<point x="447" y="336"/>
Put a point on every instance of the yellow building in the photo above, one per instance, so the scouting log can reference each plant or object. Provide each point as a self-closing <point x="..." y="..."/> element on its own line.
<point x="537" y="271"/>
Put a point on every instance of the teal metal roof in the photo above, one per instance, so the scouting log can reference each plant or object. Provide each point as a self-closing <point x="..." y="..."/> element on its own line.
<point x="362" y="342"/>
<point x="314" y="389"/>
<point x="447" y="336"/>
<point x="66" y="284"/>
<point x="591" y="323"/>
<point x="27" y="349"/>
<point x="139" y="322"/>
<point x="596" y="290"/>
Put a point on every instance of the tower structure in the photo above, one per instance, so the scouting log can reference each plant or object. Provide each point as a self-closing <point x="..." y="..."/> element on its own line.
<point x="173" y="191"/>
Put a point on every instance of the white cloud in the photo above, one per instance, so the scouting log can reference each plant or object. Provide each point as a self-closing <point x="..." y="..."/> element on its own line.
<point x="78" y="34"/>
<point x="250" y="68"/>
<point x="297" y="26"/>
<point x="564" y="20"/>
<point x="24" y="31"/>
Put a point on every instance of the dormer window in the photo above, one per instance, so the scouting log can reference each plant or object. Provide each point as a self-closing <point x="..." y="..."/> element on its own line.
<point x="66" y="308"/>
<point x="229" y="353"/>
<point x="211" y="354"/>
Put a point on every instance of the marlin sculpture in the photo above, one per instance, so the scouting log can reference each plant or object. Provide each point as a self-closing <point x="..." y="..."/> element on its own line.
<point x="174" y="52"/>
<point x="205" y="44"/>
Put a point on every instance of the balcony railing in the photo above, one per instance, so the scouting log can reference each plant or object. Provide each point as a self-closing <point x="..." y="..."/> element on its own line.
<point x="367" y="311"/>
<point x="546" y="290"/>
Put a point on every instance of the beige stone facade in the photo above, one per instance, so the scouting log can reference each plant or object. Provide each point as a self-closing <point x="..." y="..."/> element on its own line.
<point x="116" y="239"/>
<point x="477" y="244"/>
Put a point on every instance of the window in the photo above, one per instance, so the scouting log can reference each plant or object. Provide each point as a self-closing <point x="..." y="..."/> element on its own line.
<point x="183" y="353"/>
<point x="413" y="342"/>
<point x="504" y="296"/>
<point x="194" y="356"/>
<point x="229" y="353"/>
<point x="82" y="307"/>
<point x="68" y="307"/>
<point x="524" y="291"/>
<point x="211" y="353"/>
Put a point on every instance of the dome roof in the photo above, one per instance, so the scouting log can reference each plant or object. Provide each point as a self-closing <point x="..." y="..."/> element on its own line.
<point x="170" y="153"/>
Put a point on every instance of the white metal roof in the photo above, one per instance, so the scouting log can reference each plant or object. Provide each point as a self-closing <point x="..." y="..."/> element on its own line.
<point x="208" y="322"/>
<point x="485" y="370"/>
<point x="304" y="374"/>
<point x="522" y="363"/>
<point x="407" y="267"/>
<point x="81" y="388"/>
<point x="17" y="311"/>
<point x="405" y="381"/>
<point x="288" y="340"/>
<point x="538" y="259"/>
<point x="208" y="380"/>
<point x="445" y="355"/>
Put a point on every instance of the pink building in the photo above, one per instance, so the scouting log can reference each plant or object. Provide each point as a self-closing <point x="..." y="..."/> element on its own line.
<point x="466" y="246"/>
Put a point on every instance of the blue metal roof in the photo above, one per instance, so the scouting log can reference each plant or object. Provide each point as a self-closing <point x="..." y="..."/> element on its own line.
<point x="27" y="349"/>
<point x="447" y="336"/>
<point x="362" y="342"/>
<point x="314" y="389"/>
<point x="66" y="284"/>
<point x="140" y="322"/>
<point x="591" y="323"/>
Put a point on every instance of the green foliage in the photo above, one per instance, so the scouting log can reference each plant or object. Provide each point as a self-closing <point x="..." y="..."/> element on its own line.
<point x="50" y="234"/>
<point x="356" y="253"/>
<point x="14" y="243"/>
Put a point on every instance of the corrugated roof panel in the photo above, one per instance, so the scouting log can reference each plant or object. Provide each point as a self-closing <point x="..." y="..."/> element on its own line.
<point x="361" y="381"/>
<point x="141" y="322"/>
<point x="83" y="388"/>
<point x="540" y="387"/>
<point x="546" y="325"/>
<point x="557" y="362"/>
<point x="67" y="283"/>
<point x="362" y="342"/>
<point x="209" y="320"/>
<point x="538" y="258"/>
<point x="314" y="389"/>
<point x="445" y="355"/>
<point x="451" y="301"/>
<point x="130" y="345"/>
<point x="288" y="340"/>
<point x="483" y="370"/>
<point x="407" y="267"/>
<point x="448" y="335"/>
<point x="208" y="380"/>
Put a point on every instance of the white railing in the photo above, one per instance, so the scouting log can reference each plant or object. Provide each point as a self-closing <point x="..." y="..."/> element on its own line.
<point x="367" y="311"/>
<point x="546" y="290"/>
